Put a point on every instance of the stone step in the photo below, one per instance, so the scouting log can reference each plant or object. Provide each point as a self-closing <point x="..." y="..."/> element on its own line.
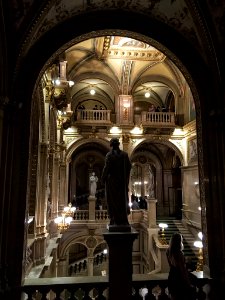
<point x="190" y="251"/>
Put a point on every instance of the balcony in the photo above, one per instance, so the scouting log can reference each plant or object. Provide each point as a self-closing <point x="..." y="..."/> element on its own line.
<point x="90" y="117"/>
<point x="160" y="120"/>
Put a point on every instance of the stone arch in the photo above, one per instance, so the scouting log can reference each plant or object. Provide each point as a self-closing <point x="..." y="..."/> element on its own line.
<point x="31" y="68"/>
<point x="80" y="237"/>
<point x="81" y="141"/>
<point x="163" y="142"/>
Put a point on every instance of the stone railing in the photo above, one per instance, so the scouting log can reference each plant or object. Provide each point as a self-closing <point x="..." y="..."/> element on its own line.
<point x="90" y="116"/>
<point x="136" y="216"/>
<point x="96" y="287"/>
<point x="158" y="118"/>
<point x="86" y="116"/>
<point x="81" y="215"/>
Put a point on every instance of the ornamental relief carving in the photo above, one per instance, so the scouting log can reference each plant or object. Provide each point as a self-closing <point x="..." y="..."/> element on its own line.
<point x="91" y="242"/>
<point x="177" y="14"/>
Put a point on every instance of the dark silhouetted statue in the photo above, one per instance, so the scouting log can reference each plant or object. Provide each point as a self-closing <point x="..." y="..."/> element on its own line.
<point x="115" y="176"/>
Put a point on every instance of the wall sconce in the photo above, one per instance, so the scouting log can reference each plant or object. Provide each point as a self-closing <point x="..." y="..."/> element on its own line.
<point x="162" y="236"/>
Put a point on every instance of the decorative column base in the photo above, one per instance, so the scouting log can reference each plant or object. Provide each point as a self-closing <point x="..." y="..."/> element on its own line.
<point x="120" y="246"/>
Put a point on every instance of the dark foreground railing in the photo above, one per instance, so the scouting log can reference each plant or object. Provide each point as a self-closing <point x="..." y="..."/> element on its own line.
<point x="96" y="287"/>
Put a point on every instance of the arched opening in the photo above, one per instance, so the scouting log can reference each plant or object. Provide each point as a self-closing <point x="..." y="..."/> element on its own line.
<point x="186" y="63"/>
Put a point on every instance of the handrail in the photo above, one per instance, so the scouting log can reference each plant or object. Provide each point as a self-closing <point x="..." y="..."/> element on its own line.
<point x="155" y="283"/>
<point x="188" y="219"/>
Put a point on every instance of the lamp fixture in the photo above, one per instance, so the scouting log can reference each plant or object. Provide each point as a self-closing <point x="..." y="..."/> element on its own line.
<point x="62" y="80"/>
<point x="162" y="236"/>
<point x="66" y="218"/>
<point x="147" y="95"/>
<point x="92" y="92"/>
<point x="115" y="130"/>
<point x="69" y="210"/>
<point x="30" y="219"/>
<point x="200" y="235"/>
<point x="137" y="130"/>
<point x="199" y="266"/>
<point x="63" y="222"/>
<point x="58" y="82"/>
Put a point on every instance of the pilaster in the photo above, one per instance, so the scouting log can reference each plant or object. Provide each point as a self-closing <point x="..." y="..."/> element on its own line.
<point x="41" y="205"/>
<point x="151" y="207"/>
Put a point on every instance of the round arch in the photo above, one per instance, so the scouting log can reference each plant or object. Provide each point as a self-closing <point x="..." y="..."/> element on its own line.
<point x="74" y="145"/>
<point x="31" y="69"/>
<point x="163" y="142"/>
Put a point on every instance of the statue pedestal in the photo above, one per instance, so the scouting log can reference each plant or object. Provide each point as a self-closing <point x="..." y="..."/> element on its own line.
<point x="120" y="246"/>
<point x="119" y="228"/>
<point x="91" y="201"/>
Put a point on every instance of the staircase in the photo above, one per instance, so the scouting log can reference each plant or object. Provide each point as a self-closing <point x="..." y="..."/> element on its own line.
<point x="190" y="251"/>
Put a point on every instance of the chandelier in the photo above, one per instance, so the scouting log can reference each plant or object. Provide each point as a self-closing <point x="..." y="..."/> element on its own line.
<point x="69" y="210"/>
<point x="63" y="221"/>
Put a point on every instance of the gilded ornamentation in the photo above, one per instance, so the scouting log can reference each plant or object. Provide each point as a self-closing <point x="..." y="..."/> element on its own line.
<point x="126" y="138"/>
<point x="59" y="99"/>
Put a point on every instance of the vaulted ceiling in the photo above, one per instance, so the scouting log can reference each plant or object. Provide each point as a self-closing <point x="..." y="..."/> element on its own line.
<point x="119" y="65"/>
